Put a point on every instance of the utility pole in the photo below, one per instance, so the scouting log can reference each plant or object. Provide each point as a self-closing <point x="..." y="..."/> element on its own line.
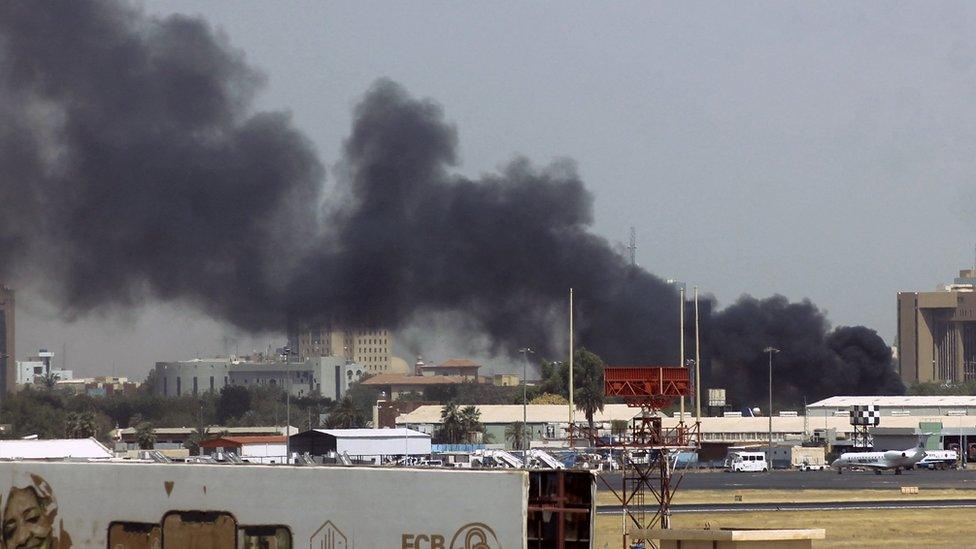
<point x="771" y="351"/>
<point x="572" y="351"/>
<point x="525" y="405"/>
<point x="697" y="363"/>
<point x="681" y="340"/>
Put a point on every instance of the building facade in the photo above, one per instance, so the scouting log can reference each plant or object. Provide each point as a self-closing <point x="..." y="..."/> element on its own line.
<point x="371" y="348"/>
<point x="329" y="377"/>
<point x="8" y="356"/>
<point x="937" y="332"/>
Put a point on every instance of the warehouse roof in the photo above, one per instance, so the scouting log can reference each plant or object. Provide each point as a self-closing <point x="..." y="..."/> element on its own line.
<point x="556" y="413"/>
<point x="895" y="401"/>
<point x="368" y="433"/>
<point x="403" y="379"/>
<point x="241" y="441"/>
<point x="74" y="448"/>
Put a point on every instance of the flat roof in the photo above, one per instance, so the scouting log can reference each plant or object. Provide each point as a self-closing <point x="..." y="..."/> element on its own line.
<point x="404" y="379"/>
<point x="76" y="448"/>
<point x="895" y="401"/>
<point x="370" y="433"/>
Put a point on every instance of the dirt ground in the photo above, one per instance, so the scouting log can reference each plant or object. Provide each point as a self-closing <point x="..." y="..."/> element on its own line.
<point x="845" y="529"/>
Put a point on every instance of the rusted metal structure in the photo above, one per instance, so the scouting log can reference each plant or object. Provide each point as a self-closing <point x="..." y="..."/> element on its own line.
<point x="650" y="451"/>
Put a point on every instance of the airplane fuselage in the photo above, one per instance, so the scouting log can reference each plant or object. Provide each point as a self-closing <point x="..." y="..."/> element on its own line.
<point x="880" y="461"/>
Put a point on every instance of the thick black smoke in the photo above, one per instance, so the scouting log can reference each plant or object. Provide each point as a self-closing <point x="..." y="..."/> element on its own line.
<point x="132" y="167"/>
<point x="814" y="362"/>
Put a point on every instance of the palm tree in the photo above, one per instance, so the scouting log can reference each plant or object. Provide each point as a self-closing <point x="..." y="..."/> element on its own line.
<point x="452" y="424"/>
<point x="588" y="381"/>
<point x="145" y="436"/>
<point x="81" y="425"/>
<point x="516" y="434"/>
<point x="345" y="415"/>
<point x="471" y="422"/>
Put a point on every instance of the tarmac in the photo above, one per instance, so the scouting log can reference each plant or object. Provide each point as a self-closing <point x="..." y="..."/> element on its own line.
<point x="815" y="480"/>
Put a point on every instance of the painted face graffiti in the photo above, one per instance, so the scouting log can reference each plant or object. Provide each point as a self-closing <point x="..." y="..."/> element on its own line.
<point x="28" y="518"/>
<point x="26" y="523"/>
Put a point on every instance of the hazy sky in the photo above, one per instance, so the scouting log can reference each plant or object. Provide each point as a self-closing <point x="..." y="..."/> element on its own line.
<point x="820" y="150"/>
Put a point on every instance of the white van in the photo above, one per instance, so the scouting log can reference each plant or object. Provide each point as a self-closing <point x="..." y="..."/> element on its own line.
<point x="746" y="461"/>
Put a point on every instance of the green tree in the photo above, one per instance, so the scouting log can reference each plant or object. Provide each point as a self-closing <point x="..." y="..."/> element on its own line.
<point x="80" y="425"/>
<point x="233" y="402"/>
<point x="345" y="415"/>
<point x="588" y="391"/>
<point x="517" y="435"/>
<point x="471" y="422"/>
<point x="549" y="398"/>
<point x="452" y="426"/>
<point x="145" y="436"/>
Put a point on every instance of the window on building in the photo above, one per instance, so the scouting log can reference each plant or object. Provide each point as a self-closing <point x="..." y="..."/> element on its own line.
<point x="165" y="391"/>
<point x="194" y="385"/>
<point x="179" y="386"/>
<point x="211" y="384"/>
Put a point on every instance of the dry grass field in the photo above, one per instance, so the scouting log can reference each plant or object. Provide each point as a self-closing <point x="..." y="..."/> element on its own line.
<point x="797" y="496"/>
<point x="899" y="528"/>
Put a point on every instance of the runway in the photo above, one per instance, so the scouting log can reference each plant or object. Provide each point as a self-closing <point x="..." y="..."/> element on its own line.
<point x="816" y="480"/>
<point x="807" y="506"/>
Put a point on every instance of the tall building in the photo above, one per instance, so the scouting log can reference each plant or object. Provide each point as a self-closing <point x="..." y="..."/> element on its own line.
<point x="937" y="332"/>
<point x="8" y="358"/>
<point x="370" y="348"/>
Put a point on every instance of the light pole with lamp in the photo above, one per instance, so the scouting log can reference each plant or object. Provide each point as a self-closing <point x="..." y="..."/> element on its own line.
<point x="771" y="351"/>
<point x="525" y="404"/>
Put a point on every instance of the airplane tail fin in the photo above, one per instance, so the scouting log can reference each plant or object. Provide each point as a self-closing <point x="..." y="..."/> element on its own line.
<point x="922" y="439"/>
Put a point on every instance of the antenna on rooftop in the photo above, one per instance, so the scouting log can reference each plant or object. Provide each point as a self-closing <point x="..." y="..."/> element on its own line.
<point x="632" y="247"/>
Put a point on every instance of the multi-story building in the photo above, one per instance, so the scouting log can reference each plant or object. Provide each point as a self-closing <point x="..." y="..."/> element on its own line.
<point x="326" y="376"/>
<point x="8" y="358"/>
<point x="370" y="348"/>
<point x="937" y="332"/>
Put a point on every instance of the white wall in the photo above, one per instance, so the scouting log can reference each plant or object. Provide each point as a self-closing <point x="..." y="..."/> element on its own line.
<point x="383" y="446"/>
<point x="264" y="452"/>
<point x="372" y="507"/>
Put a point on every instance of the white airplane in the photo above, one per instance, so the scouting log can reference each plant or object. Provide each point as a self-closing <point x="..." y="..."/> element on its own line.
<point x="880" y="461"/>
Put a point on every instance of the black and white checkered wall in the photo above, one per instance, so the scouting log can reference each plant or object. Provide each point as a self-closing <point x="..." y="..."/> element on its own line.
<point x="867" y="414"/>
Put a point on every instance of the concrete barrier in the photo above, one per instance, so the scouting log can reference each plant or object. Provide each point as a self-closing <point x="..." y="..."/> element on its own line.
<point x="731" y="538"/>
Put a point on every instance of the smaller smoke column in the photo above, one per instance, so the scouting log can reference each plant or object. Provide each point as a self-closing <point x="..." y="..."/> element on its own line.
<point x="814" y="361"/>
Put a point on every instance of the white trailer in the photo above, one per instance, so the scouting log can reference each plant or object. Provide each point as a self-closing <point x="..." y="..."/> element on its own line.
<point x="165" y="506"/>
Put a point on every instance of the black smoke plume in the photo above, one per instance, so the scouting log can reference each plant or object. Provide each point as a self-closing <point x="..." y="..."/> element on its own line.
<point x="133" y="168"/>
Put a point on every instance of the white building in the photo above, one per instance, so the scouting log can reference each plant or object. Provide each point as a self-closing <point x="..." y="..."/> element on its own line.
<point x="328" y="376"/>
<point x="915" y="406"/>
<point x="362" y="443"/>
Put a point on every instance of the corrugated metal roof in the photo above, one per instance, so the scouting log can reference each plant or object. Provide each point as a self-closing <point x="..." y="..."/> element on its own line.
<point x="895" y="401"/>
<point x="404" y="379"/>
<point x="556" y="413"/>
<point x="76" y="448"/>
<point x="372" y="433"/>
<point x="240" y="441"/>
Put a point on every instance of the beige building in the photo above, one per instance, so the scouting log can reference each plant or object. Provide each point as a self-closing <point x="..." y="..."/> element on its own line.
<point x="369" y="348"/>
<point x="937" y="332"/>
<point x="8" y="357"/>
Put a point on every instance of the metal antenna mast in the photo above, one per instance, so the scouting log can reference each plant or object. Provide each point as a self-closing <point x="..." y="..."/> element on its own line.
<point x="632" y="247"/>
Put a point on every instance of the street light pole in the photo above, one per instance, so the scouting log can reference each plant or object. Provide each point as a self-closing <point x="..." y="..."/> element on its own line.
<point x="771" y="351"/>
<point x="525" y="404"/>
